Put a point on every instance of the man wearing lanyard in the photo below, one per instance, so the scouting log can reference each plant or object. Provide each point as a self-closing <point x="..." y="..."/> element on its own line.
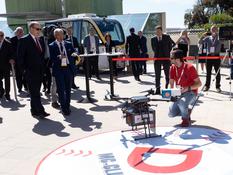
<point x="213" y="49"/>
<point x="62" y="68"/>
<point x="183" y="75"/>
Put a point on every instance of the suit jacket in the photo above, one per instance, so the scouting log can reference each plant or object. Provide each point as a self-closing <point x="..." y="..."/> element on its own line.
<point x="143" y="45"/>
<point x="167" y="44"/>
<point x="56" y="61"/>
<point x="87" y="43"/>
<point x="74" y="42"/>
<point x="14" y="42"/>
<point x="132" y="45"/>
<point x="29" y="58"/>
<point x="6" y="53"/>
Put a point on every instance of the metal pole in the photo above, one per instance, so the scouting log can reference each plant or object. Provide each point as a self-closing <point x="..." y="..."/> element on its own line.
<point x="14" y="81"/>
<point x="63" y="8"/>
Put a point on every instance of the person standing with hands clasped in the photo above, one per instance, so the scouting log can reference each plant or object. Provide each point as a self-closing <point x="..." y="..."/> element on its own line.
<point x="183" y="75"/>
<point x="61" y="53"/>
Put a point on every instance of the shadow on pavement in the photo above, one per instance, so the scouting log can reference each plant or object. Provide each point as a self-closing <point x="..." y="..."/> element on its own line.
<point x="12" y="105"/>
<point x="47" y="127"/>
<point x="79" y="118"/>
<point x="99" y="108"/>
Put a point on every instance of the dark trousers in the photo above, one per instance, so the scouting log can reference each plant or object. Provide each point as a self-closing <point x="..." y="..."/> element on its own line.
<point x="47" y="79"/>
<point x="166" y="68"/>
<point x="93" y="65"/>
<point x="34" y="85"/>
<point x="136" y="68"/>
<point x="216" y="64"/>
<point x="231" y="67"/>
<point x="20" y="79"/>
<point x="63" y="81"/>
<point x="143" y="63"/>
<point x="5" y="74"/>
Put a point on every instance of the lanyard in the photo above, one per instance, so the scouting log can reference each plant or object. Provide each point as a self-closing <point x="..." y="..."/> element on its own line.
<point x="182" y="72"/>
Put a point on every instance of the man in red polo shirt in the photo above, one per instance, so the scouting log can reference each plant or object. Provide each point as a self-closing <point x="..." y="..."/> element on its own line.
<point x="183" y="75"/>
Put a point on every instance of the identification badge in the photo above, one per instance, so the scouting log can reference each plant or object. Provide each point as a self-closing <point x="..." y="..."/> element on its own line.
<point x="178" y="86"/>
<point x="204" y="50"/>
<point x="212" y="50"/>
<point x="63" y="61"/>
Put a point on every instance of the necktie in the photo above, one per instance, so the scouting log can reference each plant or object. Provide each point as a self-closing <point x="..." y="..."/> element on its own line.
<point x="38" y="45"/>
<point x="61" y="47"/>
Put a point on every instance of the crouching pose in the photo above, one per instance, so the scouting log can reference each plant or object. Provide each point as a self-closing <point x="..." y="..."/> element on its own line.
<point x="183" y="75"/>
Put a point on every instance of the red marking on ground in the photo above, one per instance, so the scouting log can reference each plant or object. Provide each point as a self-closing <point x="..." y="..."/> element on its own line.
<point x="135" y="160"/>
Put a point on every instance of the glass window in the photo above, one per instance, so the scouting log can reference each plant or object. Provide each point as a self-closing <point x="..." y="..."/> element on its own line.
<point x="77" y="29"/>
<point x="112" y="27"/>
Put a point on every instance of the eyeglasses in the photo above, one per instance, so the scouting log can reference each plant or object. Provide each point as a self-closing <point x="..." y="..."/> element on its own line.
<point x="38" y="29"/>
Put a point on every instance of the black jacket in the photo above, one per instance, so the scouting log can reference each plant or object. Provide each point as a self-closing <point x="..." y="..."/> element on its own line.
<point x="164" y="48"/>
<point x="109" y="46"/>
<point x="29" y="58"/>
<point x="143" y="45"/>
<point x="132" y="45"/>
<point x="6" y="53"/>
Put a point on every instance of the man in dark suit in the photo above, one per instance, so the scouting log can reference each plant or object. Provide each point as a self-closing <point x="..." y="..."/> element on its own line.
<point x="74" y="41"/>
<point x="63" y="68"/>
<point x="91" y="43"/>
<point x="162" y="45"/>
<point x="30" y="58"/>
<point x="20" y="78"/>
<point x="143" y="51"/>
<point x="6" y="58"/>
<point x="132" y="48"/>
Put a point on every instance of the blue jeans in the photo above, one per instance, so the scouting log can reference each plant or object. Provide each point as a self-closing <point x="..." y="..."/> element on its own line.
<point x="181" y="106"/>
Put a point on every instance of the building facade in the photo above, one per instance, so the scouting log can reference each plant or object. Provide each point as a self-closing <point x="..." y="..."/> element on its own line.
<point x="22" y="11"/>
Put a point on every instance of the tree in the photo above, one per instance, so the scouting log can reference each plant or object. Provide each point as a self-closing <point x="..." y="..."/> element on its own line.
<point x="204" y="9"/>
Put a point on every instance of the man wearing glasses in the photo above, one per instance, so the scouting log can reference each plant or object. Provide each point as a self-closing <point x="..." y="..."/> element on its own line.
<point x="30" y="58"/>
<point x="183" y="76"/>
<point x="6" y="58"/>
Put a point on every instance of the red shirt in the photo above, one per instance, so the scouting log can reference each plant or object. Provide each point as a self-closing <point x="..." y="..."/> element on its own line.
<point x="184" y="76"/>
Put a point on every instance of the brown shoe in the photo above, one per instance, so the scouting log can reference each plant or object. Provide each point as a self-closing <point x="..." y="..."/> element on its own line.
<point x="55" y="105"/>
<point x="185" y="122"/>
<point x="206" y="88"/>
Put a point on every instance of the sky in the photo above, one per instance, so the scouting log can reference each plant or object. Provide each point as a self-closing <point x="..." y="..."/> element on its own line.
<point x="174" y="9"/>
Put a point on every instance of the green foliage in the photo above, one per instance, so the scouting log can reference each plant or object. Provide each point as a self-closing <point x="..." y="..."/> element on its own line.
<point x="209" y="11"/>
<point x="221" y="19"/>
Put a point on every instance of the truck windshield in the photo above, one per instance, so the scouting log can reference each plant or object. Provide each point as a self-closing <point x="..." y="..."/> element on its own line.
<point x="113" y="27"/>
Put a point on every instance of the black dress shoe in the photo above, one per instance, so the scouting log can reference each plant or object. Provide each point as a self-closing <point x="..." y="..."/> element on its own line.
<point x="55" y="105"/>
<point x="75" y="87"/>
<point x="157" y="92"/>
<point x="98" y="78"/>
<point x="43" y="115"/>
<point x="8" y="97"/>
<point x="66" y="112"/>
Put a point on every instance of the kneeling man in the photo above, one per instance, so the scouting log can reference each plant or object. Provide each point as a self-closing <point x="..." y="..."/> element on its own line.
<point x="183" y="75"/>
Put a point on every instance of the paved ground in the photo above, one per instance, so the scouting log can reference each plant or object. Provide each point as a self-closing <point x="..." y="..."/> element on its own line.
<point x="24" y="140"/>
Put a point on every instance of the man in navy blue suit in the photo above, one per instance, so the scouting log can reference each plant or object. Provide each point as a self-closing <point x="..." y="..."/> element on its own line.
<point x="62" y="68"/>
<point x="30" y="58"/>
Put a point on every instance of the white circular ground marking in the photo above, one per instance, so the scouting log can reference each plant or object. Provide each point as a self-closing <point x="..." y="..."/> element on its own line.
<point x="179" y="151"/>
